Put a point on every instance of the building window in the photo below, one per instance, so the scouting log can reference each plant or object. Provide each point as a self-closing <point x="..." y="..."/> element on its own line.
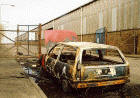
<point x="114" y="19"/>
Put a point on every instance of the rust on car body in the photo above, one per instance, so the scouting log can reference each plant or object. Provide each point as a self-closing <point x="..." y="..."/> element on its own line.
<point x="87" y="64"/>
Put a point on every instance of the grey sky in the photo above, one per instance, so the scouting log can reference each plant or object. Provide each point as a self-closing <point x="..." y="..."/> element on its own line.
<point x="34" y="11"/>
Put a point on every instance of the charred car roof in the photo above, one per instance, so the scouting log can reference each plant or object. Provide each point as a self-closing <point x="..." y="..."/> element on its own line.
<point x="88" y="45"/>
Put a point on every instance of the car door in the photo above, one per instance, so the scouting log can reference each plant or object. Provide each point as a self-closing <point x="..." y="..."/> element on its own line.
<point x="51" y="58"/>
<point x="65" y="62"/>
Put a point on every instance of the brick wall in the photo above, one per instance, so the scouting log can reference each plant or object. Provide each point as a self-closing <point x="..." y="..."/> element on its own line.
<point x="87" y="38"/>
<point x="125" y="40"/>
<point x="138" y="41"/>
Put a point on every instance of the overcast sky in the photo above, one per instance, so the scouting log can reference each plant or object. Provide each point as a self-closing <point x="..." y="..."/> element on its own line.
<point x="34" y="11"/>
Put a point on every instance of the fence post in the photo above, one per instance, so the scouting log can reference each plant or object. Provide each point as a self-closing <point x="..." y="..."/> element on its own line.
<point x="39" y="39"/>
<point x="17" y="43"/>
<point x="28" y="39"/>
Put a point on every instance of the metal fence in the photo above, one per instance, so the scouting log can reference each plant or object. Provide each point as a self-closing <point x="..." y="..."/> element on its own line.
<point x="7" y="46"/>
<point x="27" y="42"/>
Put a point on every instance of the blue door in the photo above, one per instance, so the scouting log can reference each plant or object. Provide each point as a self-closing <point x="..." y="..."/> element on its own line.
<point x="100" y="36"/>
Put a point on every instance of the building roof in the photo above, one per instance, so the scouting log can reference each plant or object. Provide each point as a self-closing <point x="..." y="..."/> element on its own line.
<point x="88" y="45"/>
<point x="70" y="11"/>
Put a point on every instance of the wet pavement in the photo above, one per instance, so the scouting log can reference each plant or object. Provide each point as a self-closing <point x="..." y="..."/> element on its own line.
<point x="131" y="90"/>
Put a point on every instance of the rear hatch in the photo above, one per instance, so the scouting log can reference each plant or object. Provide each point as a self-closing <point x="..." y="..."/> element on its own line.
<point x="107" y="72"/>
<point x="103" y="64"/>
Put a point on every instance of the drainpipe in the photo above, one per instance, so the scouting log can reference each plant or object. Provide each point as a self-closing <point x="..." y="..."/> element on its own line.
<point x="81" y="24"/>
<point x="39" y="39"/>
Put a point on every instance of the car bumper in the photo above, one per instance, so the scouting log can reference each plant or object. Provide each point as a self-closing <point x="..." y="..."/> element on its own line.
<point x="98" y="84"/>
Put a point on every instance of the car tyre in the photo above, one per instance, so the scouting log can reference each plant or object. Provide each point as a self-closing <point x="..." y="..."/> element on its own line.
<point x="66" y="86"/>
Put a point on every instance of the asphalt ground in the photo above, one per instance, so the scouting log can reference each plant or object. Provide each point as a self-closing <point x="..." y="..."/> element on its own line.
<point x="14" y="83"/>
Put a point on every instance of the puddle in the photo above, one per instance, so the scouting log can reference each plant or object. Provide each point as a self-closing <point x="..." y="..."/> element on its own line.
<point x="30" y="71"/>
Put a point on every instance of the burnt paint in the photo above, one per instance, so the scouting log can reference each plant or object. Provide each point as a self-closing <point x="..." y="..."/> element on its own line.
<point x="58" y="68"/>
<point x="92" y="73"/>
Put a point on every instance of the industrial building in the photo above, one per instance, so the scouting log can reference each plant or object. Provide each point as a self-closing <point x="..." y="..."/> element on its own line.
<point x="120" y="18"/>
<point x="31" y="68"/>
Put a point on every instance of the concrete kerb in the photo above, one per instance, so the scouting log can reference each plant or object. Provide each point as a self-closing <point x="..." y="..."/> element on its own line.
<point x="38" y="88"/>
<point x="42" y="94"/>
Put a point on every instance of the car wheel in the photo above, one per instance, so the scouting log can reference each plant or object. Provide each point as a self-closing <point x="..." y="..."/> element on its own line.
<point x="66" y="86"/>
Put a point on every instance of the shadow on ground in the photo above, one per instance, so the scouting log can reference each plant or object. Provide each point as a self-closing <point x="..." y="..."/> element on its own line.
<point x="54" y="90"/>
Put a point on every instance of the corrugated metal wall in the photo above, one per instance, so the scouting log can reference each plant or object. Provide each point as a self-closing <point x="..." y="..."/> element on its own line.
<point x="113" y="14"/>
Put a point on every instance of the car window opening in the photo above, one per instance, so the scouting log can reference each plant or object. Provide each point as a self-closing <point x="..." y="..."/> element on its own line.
<point x="55" y="51"/>
<point x="68" y="55"/>
<point x="101" y="57"/>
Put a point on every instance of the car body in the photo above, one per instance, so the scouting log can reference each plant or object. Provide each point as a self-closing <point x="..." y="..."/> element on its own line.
<point x="86" y="64"/>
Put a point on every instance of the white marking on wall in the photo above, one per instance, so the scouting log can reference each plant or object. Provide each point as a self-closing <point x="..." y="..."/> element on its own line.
<point x="119" y="15"/>
<point x="132" y="14"/>
<point x="114" y="19"/>
<point x="125" y="16"/>
<point x="84" y="25"/>
<point x="100" y="20"/>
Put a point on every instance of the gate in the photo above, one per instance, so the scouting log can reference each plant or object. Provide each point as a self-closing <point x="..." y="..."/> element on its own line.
<point x="7" y="45"/>
<point x="26" y="43"/>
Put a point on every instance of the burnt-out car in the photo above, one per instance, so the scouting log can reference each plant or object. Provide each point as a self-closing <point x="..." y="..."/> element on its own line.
<point x="86" y="64"/>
